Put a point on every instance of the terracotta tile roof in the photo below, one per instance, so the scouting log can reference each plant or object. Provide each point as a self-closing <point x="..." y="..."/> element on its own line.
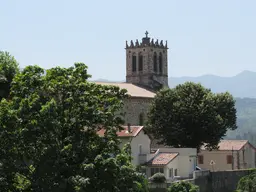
<point x="227" y="145"/>
<point x="162" y="159"/>
<point x="135" y="130"/>
<point x="133" y="90"/>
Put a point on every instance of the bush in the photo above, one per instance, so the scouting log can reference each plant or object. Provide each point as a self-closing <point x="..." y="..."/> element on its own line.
<point x="183" y="187"/>
<point x="158" y="178"/>
<point x="247" y="183"/>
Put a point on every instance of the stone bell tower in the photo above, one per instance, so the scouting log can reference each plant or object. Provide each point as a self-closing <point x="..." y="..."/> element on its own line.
<point x="147" y="63"/>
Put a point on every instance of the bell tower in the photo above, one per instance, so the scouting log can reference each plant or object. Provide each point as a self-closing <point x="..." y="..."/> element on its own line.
<point x="147" y="63"/>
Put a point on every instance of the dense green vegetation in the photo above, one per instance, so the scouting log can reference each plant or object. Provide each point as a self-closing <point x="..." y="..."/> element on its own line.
<point x="247" y="183"/>
<point x="48" y="139"/>
<point x="190" y="115"/>
<point x="9" y="67"/>
<point x="183" y="187"/>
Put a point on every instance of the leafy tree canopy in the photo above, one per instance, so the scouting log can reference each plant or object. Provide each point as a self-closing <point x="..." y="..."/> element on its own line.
<point x="247" y="183"/>
<point x="190" y="115"/>
<point x="9" y="67"/>
<point x="48" y="139"/>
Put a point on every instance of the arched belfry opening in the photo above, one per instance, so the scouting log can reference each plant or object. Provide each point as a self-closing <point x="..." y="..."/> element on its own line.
<point x="140" y="62"/>
<point x="134" y="62"/>
<point x="155" y="62"/>
<point x="160" y="63"/>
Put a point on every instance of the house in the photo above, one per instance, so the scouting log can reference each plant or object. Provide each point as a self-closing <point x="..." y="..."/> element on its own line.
<point x="170" y="161"/>
<point x="173" y="162"/>
<point x="138" y="139"/>
<point x="231" y="154"/>
<point x="166" y="163"/>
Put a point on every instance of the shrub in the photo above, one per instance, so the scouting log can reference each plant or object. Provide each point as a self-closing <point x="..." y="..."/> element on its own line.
<point x="183" y="187"/>
<point x="247" y="183"/>
<point x="158" y="178"/>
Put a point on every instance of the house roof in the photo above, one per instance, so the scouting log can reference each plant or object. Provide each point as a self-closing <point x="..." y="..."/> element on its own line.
<point x="228" y="145"/>
<point x="162" y="159"/>
<point x="135" y="130"/>
<point x="133" y="90"/>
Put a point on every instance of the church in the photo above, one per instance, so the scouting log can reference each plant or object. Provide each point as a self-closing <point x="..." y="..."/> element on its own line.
<point x="146" y="73"/>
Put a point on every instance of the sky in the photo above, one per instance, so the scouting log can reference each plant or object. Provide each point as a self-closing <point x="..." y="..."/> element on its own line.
<point x="204" y="37"/>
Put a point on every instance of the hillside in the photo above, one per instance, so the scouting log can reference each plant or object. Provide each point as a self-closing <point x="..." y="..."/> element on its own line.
<point x="241" y="85"/>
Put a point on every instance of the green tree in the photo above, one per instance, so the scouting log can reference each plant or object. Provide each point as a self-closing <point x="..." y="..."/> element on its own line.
<point x="48" y="135"/>
<point x="190" y="115"/>
<point x="247" y="183"/>
<point x="9" y="67"/>
<point x="183" y="187"/>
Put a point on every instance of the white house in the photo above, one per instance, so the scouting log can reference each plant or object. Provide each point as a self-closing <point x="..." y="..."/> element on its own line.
<point x="139" y="140"/>
<point x="173" y="162"/>
<point x="170" y="161"/>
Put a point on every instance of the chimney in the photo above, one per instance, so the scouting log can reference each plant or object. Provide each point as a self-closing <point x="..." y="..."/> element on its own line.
<point x="129" y="128"/>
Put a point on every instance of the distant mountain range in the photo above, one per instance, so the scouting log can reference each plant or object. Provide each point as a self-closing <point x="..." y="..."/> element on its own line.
<point x="241" y="85"/>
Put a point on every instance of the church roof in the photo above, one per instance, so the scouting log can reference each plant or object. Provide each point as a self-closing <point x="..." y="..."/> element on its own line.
<point x="133" y="90"/>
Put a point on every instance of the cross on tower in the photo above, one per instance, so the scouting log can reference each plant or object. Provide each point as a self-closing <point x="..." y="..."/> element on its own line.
<point x="146" y="34"/>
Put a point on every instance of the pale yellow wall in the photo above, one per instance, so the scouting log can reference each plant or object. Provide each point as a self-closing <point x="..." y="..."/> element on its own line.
<point x="220" y="159"/>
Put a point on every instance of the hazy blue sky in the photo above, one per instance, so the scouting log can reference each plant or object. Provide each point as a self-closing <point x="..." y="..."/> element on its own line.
<point x="204" y="37"/>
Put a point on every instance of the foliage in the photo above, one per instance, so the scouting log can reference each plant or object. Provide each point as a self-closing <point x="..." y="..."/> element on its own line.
<point x="158" y="178"/>
<point x="48" y="135"/>
<point x="9" y="67"/>
<point x="190" y="115"/>
<point x="183" y="187"/>
<point x="247" y="183"/>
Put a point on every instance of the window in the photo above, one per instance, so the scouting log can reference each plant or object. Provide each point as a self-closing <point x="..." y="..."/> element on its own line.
<point x="140" y="149"/>
<point x="200" y="159"/>
<point x="229" y="159"/>
<point x="156" y="170"/>
<point x="134" y="62"/>
<point x="140" y="62"/>
<point x="176" y="172"/>
<point x="141" y="119"/>
<point x="160" y="63"/>
<point x="155" y="62"/>
<point x="171" y="172"/>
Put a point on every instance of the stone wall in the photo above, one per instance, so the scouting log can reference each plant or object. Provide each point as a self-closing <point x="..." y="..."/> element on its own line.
<point x="219" y="181"/>
<point x="133" y="107"/>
